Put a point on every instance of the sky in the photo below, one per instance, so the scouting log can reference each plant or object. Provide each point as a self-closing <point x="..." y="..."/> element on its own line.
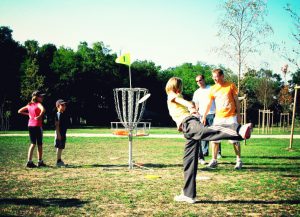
<point x="167" y="32"/>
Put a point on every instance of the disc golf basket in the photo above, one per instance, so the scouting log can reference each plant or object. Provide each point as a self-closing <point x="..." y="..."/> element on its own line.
<point x="142" y="129"/>
<point x="130" y="105"/>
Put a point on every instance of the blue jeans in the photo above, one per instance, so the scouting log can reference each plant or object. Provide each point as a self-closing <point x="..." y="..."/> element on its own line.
<point x="204" y="148"/>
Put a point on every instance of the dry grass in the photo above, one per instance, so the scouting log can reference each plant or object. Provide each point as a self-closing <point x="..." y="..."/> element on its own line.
<point x="99" y="183"/>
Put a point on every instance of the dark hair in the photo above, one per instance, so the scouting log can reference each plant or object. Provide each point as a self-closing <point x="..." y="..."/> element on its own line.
<point x="202" y="76"/>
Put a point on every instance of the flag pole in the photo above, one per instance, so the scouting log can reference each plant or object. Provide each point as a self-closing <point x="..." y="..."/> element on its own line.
<point x="130" y="76"/>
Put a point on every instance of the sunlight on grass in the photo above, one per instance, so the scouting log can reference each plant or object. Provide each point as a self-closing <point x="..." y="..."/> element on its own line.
<point x="99" y="183"/>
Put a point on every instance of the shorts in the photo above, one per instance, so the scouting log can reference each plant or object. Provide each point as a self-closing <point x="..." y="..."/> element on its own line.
<point x="60" y="144"/>
<point x="226" y="120"/>
<point x="36" y="135"/>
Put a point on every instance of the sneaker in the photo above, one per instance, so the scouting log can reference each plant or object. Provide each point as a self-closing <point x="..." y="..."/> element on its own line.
<point x="245" y="131"/>
<point x="212" y="164"/>
<point x="30" y="164"/>
<point x="183" y="198"/>
<point x="202" y="161"/>
<point x="61" y="164"/>
<point x="41" y="164"/>
<point x="219" y="156"/>
<point x="238" y="165"/>
<point x="206" y="154"/>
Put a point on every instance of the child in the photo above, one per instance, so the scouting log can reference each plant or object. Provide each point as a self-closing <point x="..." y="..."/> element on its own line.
<point x="185" y="115"/>
<point x="35" y="110"/>
<point x="61" y="125"/>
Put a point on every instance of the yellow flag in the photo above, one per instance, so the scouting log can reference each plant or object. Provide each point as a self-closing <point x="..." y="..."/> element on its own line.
<point x="124" y="59"/>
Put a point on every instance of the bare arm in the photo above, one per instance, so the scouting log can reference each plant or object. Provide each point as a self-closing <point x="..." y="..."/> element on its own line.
<point x="203" y="120"/>
<point x="41" y="107"/>
<point x="23" y="111"/>
<point x="57" y="130"/>
<point x="189" y="104"/>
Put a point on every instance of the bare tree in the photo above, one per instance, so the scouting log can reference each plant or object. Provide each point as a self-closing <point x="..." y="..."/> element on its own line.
<point x="242" y="29"/>
<point x="265" y="92"/>
<point x="293" y="56"/>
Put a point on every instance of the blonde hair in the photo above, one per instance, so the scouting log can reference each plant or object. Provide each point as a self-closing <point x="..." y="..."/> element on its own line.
<point x="174" y="84"/>
<point x="33" y="100"/>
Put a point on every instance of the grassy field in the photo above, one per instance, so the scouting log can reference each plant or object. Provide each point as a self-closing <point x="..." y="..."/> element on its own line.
<point x="99" y="183"/>
<point x="165" y="130"/>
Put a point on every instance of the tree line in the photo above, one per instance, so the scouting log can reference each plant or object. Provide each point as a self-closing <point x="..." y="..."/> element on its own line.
<point x="87" y="76"/>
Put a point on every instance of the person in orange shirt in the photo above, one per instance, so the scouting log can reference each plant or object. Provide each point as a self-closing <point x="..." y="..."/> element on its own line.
<point x="225" y="95"/>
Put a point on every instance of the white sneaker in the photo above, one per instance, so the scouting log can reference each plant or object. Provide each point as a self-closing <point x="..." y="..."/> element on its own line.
<point x="245" y="131"/>
<point x="183" y="198"/>
<point x="212" y="164"/>
<point x="61" y="164"/>
<point x="202" y="162"/>
<point x="219" y="156"/>
<point x="238" y="165"/>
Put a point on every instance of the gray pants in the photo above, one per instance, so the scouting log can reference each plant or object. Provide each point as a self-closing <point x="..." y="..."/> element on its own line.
<point x="194" y="131"/>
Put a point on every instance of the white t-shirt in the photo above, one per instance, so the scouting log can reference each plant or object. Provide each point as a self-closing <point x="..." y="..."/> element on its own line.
<point x="201" y="98"/>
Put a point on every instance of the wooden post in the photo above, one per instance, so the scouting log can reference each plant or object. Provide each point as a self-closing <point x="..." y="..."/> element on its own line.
<point x="293" y="118"/>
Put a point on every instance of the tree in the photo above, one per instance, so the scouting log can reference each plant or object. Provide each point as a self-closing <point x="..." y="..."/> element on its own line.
<point x="285" y="98"/>
<point x="266" y="88"/>
<point x="32" y="79"/>
<point x="242" y="27"/>
<point x="187" y="72"/>
<point x="294" y="56"/>
<point x="12" y="54"/>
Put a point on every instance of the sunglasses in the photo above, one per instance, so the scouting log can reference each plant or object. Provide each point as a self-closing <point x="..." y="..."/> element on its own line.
<point x="199" y="80"/>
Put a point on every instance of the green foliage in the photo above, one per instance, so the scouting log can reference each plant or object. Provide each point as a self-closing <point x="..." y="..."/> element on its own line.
<point x="31" y="80"/>
<point x="86" y="76"/>
<point x="187" y="72"/>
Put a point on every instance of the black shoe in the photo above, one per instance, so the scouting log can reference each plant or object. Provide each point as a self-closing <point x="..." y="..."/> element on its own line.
<point x="206" y="154"/>
<point x="30" y="165"/>
<point x="41" y="164"/>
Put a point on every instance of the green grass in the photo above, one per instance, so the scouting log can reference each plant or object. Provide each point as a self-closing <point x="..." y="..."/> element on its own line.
<point x="166" y="130"/>
<point x="99" y="183"/>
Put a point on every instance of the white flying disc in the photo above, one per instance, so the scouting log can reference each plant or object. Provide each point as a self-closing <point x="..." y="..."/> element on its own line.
<point x="144" y="98"/>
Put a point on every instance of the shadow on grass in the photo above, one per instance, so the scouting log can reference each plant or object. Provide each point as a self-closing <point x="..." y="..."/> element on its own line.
<point x="252" y="202"/>
<point x="273" y="169"/>
<point x="98" y="165"/>
<point x="275" y="157"/>
<point x="43" y="202"/>
<point x="112" y="166"/>
<point x="161" y="165"/>
<point x="291" y="176"/>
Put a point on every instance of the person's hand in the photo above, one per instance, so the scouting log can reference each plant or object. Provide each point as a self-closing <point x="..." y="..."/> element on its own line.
<point x="38" y="118"/>
<point x="193" y="110"/>
<point x="203" y="120"/>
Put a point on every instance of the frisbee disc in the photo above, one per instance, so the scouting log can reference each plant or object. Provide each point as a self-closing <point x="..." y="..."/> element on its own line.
<point x="152" y="177"/>
<point x="144" y="98"/>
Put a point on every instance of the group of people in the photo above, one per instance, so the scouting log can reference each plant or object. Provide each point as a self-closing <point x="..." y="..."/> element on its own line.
<point x="35" y="111"/>
<point x="213" y="115"/>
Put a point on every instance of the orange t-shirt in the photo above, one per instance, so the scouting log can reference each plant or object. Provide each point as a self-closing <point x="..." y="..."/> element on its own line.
<point x="224" y="98"/>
